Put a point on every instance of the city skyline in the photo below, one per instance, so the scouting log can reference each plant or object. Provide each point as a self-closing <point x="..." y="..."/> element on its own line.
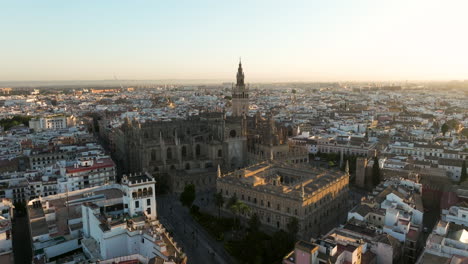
<point x="301" y="41"/>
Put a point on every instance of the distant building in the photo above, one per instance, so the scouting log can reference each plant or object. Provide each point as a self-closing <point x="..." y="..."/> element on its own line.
<point x="354" y="146"/>
<point x="87" y="173"/>
<point x="54" y="122"/>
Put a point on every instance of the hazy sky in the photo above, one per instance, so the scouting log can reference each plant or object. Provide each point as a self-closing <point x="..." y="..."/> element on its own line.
<point x="283" y="40"/>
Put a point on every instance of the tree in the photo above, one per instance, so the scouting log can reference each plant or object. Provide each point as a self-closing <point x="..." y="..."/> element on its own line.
<point x="188" y="195"/>
<point x="239" y="208"/>
<point x="254" y="223"/>
<point x="463" y="176"/>
<point x="445" y="128"/>
<point x="376" y="172"/>
<point x="219" y="202"/>
<point x="293" y="226"/>
<point x="231" y="201"/>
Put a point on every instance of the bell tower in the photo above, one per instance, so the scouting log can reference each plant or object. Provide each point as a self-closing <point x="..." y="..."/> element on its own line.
<point x="240" y="95"/>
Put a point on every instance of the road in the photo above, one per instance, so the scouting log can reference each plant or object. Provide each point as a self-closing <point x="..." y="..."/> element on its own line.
<point x="199" y="246"/>
<point x="21" y="240"/>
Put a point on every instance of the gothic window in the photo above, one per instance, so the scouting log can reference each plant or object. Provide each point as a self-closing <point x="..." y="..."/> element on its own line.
<point x="232" y="133"/>
<point x="197" y="150"/>
<point x="169" y="153"/>
<point x="153" y="155"/>
<point x="184" y="151"/>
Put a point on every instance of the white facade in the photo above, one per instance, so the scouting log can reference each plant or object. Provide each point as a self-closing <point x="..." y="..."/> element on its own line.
<point x="48" y="123"/>
<point x="456" y="214"/>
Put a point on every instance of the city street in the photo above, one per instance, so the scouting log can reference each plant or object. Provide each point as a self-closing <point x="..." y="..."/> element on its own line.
<point x="199" y="246"/>
<point x="21" y="240"/>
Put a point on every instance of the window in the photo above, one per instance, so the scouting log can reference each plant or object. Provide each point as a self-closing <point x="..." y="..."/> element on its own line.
<point x="184" y="151"/>
<point x="295" y="211"/>
<point x="463" y="216"/>
<point x="287" y="210"/>
<point x="268" y="204"/>
<point x="232" y="133"/>
<point x="148" y="201"/>
<point x="261" y="202"/>
<point x="148" y="210"/>
<point x="243" y="197"/>
<point x="197" y="150"/>
<point x="220" y="153"/>
<point x="169" y="153"/>
<point x="137" y="204"/>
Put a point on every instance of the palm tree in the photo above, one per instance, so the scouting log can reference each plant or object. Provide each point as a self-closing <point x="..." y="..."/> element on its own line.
<point x="239" y="208"/>
<point x="219" y="202"/>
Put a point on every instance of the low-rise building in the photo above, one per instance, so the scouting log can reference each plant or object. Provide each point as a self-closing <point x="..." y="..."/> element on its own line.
<point x="102" y="224"/>
<point x="6" y="239"/>
<point x="278" y="192"/>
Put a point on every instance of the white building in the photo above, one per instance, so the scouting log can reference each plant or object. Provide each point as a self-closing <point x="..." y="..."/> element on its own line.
<point x="456" y="214"/>
<point x="108" y="223"/>
<point x="86" y="173"/>
<point x="54" y="122"/>
<point x="6" y="244"/>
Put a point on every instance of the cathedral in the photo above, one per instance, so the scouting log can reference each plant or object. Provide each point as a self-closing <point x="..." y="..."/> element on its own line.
<point x="190" y="151"/>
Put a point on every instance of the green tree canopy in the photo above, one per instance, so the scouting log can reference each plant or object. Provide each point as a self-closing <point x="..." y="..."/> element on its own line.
<point x="219" y="202"/>
<point x="16" y="120"/>
<point x="188" y="195"/>
<point x="254" y="223"/>
<point x="445" y="128"/>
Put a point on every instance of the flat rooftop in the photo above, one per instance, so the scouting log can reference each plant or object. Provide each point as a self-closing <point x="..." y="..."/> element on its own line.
<point x="40" y="226"/>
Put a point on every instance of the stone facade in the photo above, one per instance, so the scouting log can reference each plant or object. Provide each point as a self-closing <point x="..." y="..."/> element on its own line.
<point x="183" y="151"/>
<point x="277" y="192"/>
